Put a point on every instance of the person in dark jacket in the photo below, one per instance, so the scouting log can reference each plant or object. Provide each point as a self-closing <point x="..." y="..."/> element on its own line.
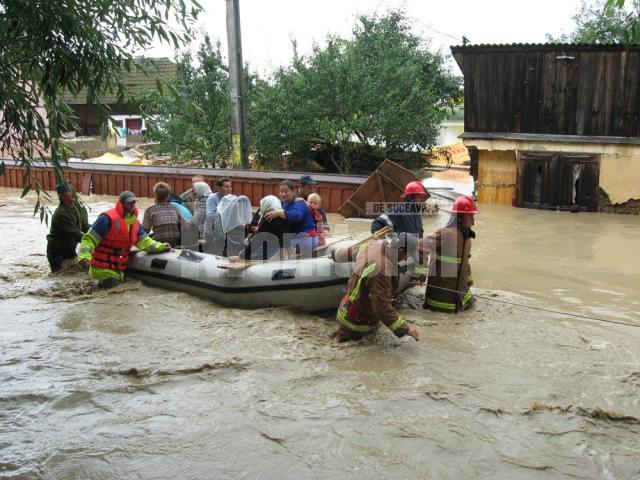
<point x="449" y="280"/>
<point x="68" y="224"/>
<point x="405" y="216"/>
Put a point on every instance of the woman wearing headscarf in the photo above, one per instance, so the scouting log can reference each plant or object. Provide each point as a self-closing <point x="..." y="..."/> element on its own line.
<point x="195" y="227"/>
<point x="268" y="239"/>
<point x="227" y="237"/>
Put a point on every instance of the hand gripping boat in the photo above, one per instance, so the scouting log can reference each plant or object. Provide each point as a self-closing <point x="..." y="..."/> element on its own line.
<point x="310" y="284"/>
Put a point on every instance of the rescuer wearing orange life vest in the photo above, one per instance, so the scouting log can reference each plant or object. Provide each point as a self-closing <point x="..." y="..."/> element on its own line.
<point x="105" y="247"/>
<point x="449" y="279"/>
<point x="371" y="287"/>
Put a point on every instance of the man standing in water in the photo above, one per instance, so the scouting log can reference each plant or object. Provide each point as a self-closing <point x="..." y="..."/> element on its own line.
<point x="105" y="247"/>
<point x="449" y="279"/>
<point x="68" y="224"/>
<point x="373" y="282"/>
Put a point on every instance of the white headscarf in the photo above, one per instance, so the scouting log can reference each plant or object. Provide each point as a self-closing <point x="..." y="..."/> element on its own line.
<point x="202" y="190"/>
<point x="233" y="212"/>
<point x="269" y="203"/>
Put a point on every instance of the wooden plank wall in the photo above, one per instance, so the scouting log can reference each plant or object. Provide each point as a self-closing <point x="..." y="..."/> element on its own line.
<point x="561" y="92"/>
<point x="105" y="182"/>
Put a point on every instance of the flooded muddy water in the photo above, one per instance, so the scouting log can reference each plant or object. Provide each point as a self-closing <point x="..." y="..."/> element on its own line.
<point x="139" y="382"/>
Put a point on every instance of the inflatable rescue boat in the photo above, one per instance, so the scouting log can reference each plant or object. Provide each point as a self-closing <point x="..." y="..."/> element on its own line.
<point x="310" y="284"/>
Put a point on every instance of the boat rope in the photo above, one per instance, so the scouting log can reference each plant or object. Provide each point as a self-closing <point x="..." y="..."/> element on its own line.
<point x="559" y="312"/>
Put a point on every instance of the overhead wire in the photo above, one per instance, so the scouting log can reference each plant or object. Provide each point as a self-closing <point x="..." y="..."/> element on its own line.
<point x="548" y="310"/>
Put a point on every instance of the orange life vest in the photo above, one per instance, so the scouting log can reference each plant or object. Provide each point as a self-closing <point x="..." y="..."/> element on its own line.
<point x="113" y="250"/>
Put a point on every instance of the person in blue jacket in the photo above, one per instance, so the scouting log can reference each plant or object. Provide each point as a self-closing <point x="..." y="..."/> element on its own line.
<point x="299" y="220"/>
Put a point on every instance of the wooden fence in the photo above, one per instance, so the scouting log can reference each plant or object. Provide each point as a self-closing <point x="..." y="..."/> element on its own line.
<point x="103" y="179"/>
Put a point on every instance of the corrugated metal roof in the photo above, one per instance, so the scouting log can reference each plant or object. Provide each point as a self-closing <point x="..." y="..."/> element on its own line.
<point x="136" y="81"/>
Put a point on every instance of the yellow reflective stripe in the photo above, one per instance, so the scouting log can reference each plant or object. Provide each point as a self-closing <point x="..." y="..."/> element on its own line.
<point x="441" y="305"/>
<point x="397" y="324"/>
<point x="421" y="270"/>
<point x="365" y="273"/>
<point x="342" y="318"/>
<point x="466" y="297"/>
<point x="149" y="244"/>
<point x="445" y="259"/>
<point x="362" y="248"/>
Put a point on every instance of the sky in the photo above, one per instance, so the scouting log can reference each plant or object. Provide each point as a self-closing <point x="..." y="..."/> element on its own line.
<point x="268" y="26"/>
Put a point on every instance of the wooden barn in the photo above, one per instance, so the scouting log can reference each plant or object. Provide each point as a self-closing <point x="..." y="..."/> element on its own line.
<point x="553" y="125"/>
<point x="125" y="114"/>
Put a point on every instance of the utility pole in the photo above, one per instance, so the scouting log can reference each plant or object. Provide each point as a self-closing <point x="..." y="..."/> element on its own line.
<point x="239" y="139"/>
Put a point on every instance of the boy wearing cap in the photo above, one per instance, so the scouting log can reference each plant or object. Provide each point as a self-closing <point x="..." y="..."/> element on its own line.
<point x="105" y="247"/>
<point x="68" y="224"/>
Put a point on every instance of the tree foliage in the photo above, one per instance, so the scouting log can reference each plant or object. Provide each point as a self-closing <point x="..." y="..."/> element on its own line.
<point x="192" y="119"/>
<point x="603" y="21"/>
<point x="48" y="47"/>
<point x="380" y="92"/>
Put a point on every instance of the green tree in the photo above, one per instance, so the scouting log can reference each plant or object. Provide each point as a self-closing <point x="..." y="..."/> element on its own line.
<point x="380" y="93"/>
<point x="48" y="47"/>
<point x="603" y="21"/>
<point x="193" y="119"/>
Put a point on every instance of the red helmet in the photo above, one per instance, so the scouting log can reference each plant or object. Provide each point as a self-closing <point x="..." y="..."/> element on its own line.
<point x="415" y="188"/>
<point x="464" y="205"/>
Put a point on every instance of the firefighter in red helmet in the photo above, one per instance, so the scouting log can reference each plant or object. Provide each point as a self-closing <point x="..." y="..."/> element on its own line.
<point x="405" y="216"/>
<point x="449" y="278"/>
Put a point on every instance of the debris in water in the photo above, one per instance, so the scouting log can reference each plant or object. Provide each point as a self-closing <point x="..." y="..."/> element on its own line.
<point x="6" y="278"/>
<point x="633" y="378"/>
<point x="147" y="372"/>
<point x="538" y="406"/>
<point x="599" y="413"/>
<point x="279" y="441"/>
<point x="596" y="413"/>
<point x="496" y="411"/>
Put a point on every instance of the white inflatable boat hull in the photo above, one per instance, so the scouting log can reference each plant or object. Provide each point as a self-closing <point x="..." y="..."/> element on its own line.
<point x="312" y="284"/>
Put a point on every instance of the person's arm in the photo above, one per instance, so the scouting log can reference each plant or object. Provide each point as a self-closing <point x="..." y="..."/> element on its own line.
<point x="381" y="222"/>
<point x="187" y="196"/>
<point x="199" y="214"/>
<point x="325" y="223"/>
<point x="148" y="244"/>
<point x="381" y="289"/>
<point x="347" y="254"/>
<point x="84" y="216"/>
<point x="422" y="267"/>
<point x="92" y="238"/>
<point x="297" y="211"/>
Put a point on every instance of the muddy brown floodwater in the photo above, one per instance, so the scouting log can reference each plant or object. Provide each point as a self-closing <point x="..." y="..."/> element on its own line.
<point x="139" y="382"/>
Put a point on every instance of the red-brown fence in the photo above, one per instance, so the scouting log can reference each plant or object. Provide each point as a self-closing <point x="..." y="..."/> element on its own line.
<point x="102" y="179"/>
